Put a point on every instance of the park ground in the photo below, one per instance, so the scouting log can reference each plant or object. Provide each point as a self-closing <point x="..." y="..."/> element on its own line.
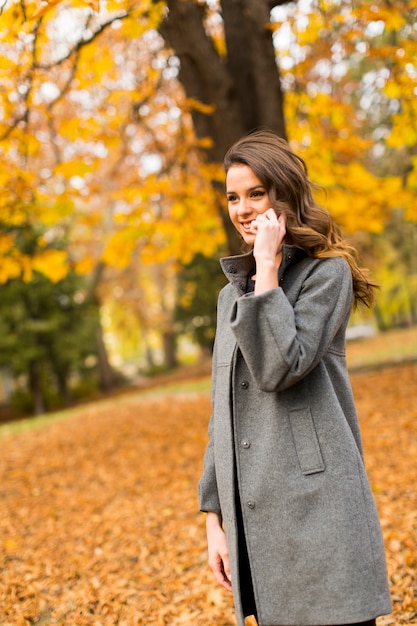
<point x="99" y="521"/>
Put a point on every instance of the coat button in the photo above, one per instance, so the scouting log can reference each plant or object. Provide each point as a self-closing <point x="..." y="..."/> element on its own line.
<point x="244" y="384"/>
<point x="251" y="504"/>
<point x="232" y="269"/>
<point x="245" y="444"/>
<point x="242" y="286"/>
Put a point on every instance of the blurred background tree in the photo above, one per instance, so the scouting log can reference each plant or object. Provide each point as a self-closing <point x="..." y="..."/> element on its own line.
<point x="114" y="118"/>
<point x="48" y="337"/>
<point x="199" y="283"/>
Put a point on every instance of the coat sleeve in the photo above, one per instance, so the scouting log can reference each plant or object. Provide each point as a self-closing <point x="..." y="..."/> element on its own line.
<point x="207" y="487"/>
<point x="280" y="342"/>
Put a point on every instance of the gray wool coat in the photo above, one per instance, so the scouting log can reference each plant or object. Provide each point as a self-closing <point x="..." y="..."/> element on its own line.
<point x="284" y="432"/>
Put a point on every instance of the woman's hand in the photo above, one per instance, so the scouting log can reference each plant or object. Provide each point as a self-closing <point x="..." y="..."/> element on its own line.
<point x="270" y="233"/>
<point x="218" y="553"/>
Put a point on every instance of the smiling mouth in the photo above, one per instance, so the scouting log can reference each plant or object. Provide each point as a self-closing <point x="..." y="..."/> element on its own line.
<point x="247" y="226"/>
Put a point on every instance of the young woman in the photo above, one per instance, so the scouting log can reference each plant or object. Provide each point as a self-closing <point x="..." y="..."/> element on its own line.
<point x="292" y="526"/>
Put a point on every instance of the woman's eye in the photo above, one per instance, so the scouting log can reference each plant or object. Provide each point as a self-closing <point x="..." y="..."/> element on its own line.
<point x="231" y="198"/>
<point x="258" y="194"/>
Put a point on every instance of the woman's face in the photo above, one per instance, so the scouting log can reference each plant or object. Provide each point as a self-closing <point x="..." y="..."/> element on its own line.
<point x="246" y="199"/>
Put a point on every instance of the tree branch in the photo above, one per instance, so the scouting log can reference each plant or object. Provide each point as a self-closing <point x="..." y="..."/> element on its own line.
<point x="278" y="3"/>
<point x="83" y="42"/>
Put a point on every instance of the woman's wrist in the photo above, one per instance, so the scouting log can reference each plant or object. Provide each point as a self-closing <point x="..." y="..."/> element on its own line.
<point x="213" y="520"/>
<point x="266" y="278"/>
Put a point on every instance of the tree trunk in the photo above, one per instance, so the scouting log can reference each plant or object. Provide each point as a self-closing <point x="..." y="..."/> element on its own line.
<point x="63" y="387"/>
<point x="150" y="361"/>
<point x="252" y="64"/>
<point x="169" y="341"/>
<point x="244" y="88"/>
<point x="36" y="388"/>
<point x="107" y="378"/>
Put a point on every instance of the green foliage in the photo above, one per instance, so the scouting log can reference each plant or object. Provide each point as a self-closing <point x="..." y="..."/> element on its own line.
<point x="198" y="286"/>
<point x="397" y="273"/>
<point x="47" y="336"/>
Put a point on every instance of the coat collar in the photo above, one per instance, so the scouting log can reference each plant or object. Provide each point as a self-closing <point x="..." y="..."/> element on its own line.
<point x="238" y="268"/>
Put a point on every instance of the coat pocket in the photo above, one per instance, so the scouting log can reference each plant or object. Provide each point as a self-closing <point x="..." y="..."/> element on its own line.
<point x="306" y="441"/>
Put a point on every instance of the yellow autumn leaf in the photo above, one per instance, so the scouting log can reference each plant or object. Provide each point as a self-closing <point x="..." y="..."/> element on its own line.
<point x="311" y="33"/>
<point x="39" y="10"/>
<point x="26" y="268"/>
<point x="50" y="213"/>
<point x="394" y="20"/>
<point x="197" y="105"/>
<point x="120" y="247"/>
<point x="74" y="128"/>
<point x="10" y="213"/>
<point x="115" y="5"/>
<point x="10" y="544"/>
<point x="93" y="4"/>
<point x="402" y="135"/>
<point x="220" y="42"/>
<point x="392" y="90"/>
<point x="77" y="167"/>
<point x="205" y="142"/>
<point x="84" y="266"/>
<point x="36" y="11"/>
<point x="51" y="263"/>
<point x="9" y="268"/>
<point x="6" y="244"/>
<point x="133" y="29"/>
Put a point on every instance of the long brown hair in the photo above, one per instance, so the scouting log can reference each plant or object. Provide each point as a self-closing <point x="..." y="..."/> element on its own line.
<point x="309" y="226"/>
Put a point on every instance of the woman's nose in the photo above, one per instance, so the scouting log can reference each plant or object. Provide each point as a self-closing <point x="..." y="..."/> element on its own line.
<point x="244" y="207"/>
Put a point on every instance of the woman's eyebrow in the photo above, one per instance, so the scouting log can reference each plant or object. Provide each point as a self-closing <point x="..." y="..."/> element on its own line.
<point x="249" y="189"/>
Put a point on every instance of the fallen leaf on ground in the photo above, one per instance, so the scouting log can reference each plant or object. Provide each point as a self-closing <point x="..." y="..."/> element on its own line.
<point x="99" y="521"/>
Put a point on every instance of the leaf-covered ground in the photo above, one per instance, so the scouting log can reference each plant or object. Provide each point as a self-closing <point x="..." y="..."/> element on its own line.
<point x="98" y="512"/>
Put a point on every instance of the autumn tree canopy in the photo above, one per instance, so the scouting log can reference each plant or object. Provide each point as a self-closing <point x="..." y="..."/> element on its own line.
<point x="92" y="137"/>
<point x="115" y="116"/>
<point x="94" y="125"/>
